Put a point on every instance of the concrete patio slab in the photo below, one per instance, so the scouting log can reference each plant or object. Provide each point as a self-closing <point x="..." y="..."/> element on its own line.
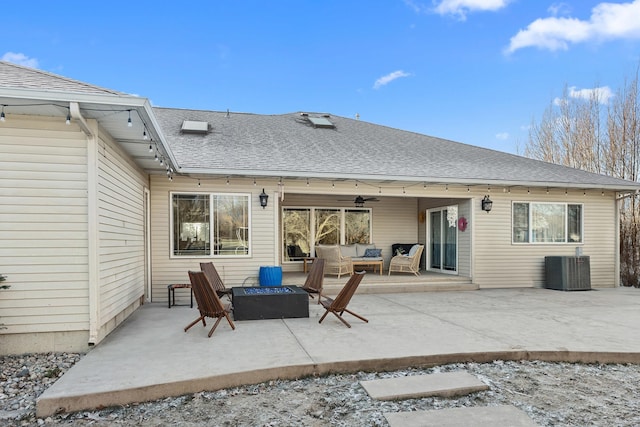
<point x="150" y="356"/>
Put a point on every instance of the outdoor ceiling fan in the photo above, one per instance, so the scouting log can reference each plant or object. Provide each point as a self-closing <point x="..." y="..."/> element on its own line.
<point x="359" y="200"/>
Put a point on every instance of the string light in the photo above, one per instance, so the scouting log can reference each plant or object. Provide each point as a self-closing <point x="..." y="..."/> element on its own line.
<point x="307" y="182"/>
<point x="150" y="148"/>
<point x="68" y="121"/>
<point x="468" y="189"/>
<point x="254" y="182"/>
<point x="2" y="117"/>
<point x="129" y="122"/>
<point x="227" y="180"/>
<point x="198" y="183"/>
<point x="144" y="134"/>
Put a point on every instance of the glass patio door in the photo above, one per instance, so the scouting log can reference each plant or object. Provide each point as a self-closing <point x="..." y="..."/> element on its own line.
<point x="443" y="242"/>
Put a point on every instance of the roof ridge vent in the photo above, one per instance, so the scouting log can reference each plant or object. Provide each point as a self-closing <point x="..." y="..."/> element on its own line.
<point x="195" y="126"/>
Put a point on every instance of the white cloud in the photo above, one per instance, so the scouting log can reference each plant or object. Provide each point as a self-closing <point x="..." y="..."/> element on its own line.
<point x="559" y="9"/>
<point x="601" y="94"/>
<point x="502" y="136"/>
<point x="607" y="21"/>
<point x="20" y="59"/>
<point x="384" y="80"/>
<point x="460" y="8"/>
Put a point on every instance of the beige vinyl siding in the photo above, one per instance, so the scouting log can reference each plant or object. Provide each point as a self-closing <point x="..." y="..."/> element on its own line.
<point x="43" y="226"/>
<point x="500" y="263"/>
<point x="121" y="241"/>
<point x="234" y="270"/>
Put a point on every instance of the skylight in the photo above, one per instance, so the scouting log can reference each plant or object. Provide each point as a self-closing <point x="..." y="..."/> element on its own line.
<point x="195" y="126"/>
<point x="321" y="122"/>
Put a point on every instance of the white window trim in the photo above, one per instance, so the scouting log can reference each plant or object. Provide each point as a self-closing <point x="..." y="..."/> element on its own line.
<point x="211" y="227"/>
<point x="566" y="231"/>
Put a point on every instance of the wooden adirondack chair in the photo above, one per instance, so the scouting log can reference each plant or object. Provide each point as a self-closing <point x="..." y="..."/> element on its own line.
<point x="214" y="278"/>
<point x="209" y="303"/>
<point x="315" y="279"/>
<point x="339" y="305"/>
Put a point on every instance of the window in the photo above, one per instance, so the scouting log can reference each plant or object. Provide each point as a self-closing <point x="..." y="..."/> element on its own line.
<point x="546" y="223"/>
<point x="199" y="219"/>
<point x="357" y="226"/>
<point x="303" y="228"/>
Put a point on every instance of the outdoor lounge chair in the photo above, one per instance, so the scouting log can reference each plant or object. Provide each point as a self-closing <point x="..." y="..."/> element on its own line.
<point x="409" y="263"/>
<point x="209" y="304"/>
<point x="214" y="278"/>
<point x="339" y="305"/>
<point x="335" y="263"/>
<point x="315" y="279"/>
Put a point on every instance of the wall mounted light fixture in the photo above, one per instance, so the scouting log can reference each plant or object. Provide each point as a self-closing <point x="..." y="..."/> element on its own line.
<point x="487" y="204"/>
<point x="264" y="197"/>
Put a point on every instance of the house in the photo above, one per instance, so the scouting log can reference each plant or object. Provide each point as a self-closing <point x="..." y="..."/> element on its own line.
<point x="106" y="199"/>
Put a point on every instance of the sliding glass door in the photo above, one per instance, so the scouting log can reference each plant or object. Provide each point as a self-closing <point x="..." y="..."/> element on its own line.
<point x="443" y="241"/>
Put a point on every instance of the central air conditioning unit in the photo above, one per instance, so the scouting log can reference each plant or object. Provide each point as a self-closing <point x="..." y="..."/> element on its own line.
<point x="567" y="273"/>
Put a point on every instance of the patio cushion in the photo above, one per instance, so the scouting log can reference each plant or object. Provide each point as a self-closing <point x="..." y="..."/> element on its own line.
<point x="413" y="250"/>
<point x="372" y="253"/>
<point x="348" y="250"/>
<point x="361" y="248"/>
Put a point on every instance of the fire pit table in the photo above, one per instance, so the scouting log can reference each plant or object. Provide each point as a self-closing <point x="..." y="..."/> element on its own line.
<point x="255" y="303"/>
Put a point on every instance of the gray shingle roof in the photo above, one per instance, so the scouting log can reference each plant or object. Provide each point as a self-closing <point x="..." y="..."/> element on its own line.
<point x="287" y="145"/>
<point x="17" y="76"/>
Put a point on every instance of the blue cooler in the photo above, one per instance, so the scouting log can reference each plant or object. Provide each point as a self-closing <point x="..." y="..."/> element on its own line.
<point x="270" y="276"/>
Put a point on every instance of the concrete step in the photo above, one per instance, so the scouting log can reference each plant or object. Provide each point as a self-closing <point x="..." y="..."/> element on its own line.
<point x="415" y="386"/>
<point x="480" y="416"/>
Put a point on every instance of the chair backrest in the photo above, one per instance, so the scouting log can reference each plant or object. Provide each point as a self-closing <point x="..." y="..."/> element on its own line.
<point x="330" y="253"/>
<point x="209" y="303"/>
<point x="415" y="261"/>
<point x="344" y="296"/>
<point x="212" y="276"/>
<point x="315" y="278"/>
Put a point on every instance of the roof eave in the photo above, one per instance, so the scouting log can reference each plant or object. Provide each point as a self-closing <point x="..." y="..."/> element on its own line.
<point x="631" y="187"/>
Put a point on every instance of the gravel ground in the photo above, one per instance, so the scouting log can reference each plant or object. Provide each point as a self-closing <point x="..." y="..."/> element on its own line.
<point x="552" y="394"/>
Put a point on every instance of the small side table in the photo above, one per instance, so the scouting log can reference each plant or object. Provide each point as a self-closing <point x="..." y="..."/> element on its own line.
<point x="171" y="289"/>
<point x="305" y="260"/>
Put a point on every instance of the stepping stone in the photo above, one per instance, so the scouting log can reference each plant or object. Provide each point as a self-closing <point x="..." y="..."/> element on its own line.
<point x="445" y="385"/>
<point x="482" y="416"/>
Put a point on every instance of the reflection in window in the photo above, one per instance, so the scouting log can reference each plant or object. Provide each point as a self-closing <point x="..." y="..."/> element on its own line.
<point x="194" y="227"/>
<point x="191" y="224"/>
<point x="296" y="225"/>
<point x="547" y="223"/>
<point x="327" y="227"/>
<point x="357" y="226"/>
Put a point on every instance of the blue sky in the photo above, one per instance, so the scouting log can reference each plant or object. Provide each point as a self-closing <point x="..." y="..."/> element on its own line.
<point x="474" y="71"/>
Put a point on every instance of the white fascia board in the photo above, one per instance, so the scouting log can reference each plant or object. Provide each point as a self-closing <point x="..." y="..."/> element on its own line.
<point x="53" y="96"/>
<point x="622" y="186"/>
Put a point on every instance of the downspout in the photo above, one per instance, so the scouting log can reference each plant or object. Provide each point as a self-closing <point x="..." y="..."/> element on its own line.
<point x="92" y="221"/>
<point x="616" y="269"/>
